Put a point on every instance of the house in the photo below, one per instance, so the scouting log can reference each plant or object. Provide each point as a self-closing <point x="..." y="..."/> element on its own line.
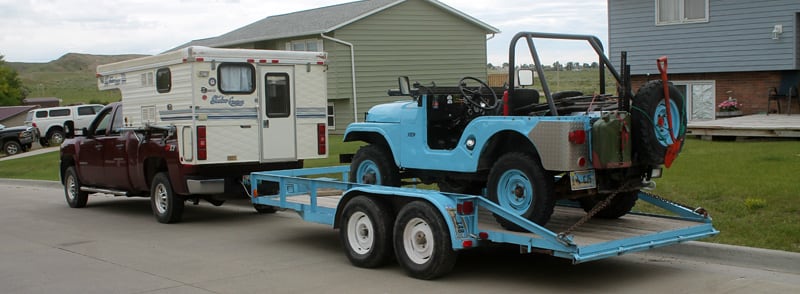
<point x="716" y="48"/>
<point x="42" y="101"/>
<point x="369" y="44"/>
<point x="12" y="116"/>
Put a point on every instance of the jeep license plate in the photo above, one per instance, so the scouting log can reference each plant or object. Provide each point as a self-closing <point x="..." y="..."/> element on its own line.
<point x="582" y="180"/>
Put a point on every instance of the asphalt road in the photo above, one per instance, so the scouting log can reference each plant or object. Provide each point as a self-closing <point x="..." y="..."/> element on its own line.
<point x="115" y="245"/>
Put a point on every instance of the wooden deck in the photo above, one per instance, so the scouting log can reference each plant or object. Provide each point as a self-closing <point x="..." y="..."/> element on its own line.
<point x="758" y="125"/>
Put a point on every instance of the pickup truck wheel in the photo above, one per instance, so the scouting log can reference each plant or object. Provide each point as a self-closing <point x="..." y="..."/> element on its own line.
<point x="12" y="148"/>
<point x="72" y="189"/>
<point x="422" y="241"/>
<point x="374" y="164"/>
<point x="55" y="137"/>
<point x="366" y="232"/>
<point x="167" y="207"/>
<point x="619" y="206"/>
<point x="519" y="183"/>
<point x="651" y="133"/>
<point x="44" y="142"/>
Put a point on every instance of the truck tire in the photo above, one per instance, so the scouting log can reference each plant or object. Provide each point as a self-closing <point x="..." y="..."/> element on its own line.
<point x="72" y="189"/>
<point x="651" y="134"/>
<point x="167" y="207"/>
<point x="12" y="148"/>
<point x="374" y="164"/>
<point x="422" y="242"/>
<point x="55" y="137"/>
<point x="619" y="206"/>
<point x="520" y="184"/>
<point x="265" y="209"/>
<point x="365" y="229"/>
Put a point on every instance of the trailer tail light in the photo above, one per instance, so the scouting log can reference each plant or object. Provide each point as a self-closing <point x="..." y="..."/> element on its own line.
<point x="466" y="207"/>
<point x="202" y="151"/>
<point x="466" y="244"/>
<point x="577" y="137"/>
<point x="322" y="144"/>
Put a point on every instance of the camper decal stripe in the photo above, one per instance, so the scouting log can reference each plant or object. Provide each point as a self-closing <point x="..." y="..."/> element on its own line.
<point x="312" y="112"/>
<point x="210" y="113"/>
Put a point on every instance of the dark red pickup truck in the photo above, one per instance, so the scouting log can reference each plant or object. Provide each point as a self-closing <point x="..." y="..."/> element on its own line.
<point x="108" y="158"/>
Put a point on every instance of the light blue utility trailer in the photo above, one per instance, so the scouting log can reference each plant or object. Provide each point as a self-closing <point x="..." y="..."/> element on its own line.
<point x="425" y="229"/>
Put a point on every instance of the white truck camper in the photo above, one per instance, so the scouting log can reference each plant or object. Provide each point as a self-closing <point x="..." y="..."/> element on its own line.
<point x="228" y="105"/>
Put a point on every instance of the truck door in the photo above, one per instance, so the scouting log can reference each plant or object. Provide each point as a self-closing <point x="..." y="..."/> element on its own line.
<point x="91" y="150"/>
<point x="276" y="112"/>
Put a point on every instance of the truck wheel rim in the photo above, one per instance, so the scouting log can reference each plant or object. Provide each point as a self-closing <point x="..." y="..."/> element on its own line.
<point x="661" y="125"/>
<point x="12" y="149"/>
<point x="161" y="199"/>
<point x="57" y="139"/>
<point x="418" y="241"/>
<point x="368" y="173"/>
<point x="359" y="233"/>
<point x="72" y="189"/>
<point x="515" y="191"/>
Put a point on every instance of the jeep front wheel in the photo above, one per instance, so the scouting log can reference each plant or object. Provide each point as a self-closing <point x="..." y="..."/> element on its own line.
<point x="374" y="164"/>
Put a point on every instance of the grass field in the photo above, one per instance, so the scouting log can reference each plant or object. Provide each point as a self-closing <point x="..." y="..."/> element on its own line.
<point x="749" y="188"/>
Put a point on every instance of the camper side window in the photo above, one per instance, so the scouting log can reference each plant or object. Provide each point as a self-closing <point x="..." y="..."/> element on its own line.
<point x="163" y="80"/>
<point x="278" y="95"/>
<point x="236" y="78"/>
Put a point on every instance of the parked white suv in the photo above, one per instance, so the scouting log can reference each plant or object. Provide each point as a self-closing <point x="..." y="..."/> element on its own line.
<point x="50" y="121"/>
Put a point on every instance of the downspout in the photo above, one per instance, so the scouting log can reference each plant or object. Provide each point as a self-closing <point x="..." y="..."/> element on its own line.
<point x="352" y="71"/>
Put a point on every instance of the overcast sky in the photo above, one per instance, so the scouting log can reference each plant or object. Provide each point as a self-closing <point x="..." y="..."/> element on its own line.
<point x="44" y="30"/>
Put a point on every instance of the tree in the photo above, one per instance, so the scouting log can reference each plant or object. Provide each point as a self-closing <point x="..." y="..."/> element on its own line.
<point x="11" y="89"/>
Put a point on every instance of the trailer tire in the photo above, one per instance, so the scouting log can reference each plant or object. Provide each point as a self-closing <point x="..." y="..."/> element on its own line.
<point x="72" y="189"/>
<point x="619" y="206"/>
<point x="365" y="229"/>
<point x="374" y="164"/>
<point x="422" y="242"/>
<point x="651" y="134"/>
<point x="519" y="183"/>
<point x="167" y="207"/>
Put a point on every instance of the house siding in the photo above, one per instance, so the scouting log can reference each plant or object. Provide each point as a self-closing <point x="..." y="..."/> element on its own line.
<point x="736" y="38"/>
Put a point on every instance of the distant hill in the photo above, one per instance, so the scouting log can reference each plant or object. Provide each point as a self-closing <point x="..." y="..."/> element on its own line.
<point x="70" y="77"/>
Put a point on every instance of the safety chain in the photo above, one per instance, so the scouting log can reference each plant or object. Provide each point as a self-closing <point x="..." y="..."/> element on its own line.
<point x="597" y="208"/>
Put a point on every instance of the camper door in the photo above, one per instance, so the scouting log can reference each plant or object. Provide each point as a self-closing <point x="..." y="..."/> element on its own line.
<point x="276" y="108"/>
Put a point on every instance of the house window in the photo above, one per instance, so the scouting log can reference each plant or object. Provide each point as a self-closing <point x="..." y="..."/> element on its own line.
<point x="163" y="80"/>
<point x="314" y="45"/>
<point x="699" y="99"/>
<point x="681" y="11"/>
<point x="331" y="117"/>
<point x="236" y="78"/>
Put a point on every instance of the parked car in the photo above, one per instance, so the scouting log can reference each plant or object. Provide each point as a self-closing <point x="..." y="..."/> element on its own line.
<point x="16" y="139"/>
<point x="50" y="122"/>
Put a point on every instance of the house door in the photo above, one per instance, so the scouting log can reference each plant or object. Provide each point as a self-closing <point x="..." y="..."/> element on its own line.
<point x="276" y="103"/>
<point x="700" y="100"/>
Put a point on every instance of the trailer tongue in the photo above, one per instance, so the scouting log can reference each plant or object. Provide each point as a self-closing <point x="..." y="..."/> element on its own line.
<point x="468" y="221"/>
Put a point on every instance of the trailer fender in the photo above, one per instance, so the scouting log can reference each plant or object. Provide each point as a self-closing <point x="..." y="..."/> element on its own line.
<point x="446" y="205"/>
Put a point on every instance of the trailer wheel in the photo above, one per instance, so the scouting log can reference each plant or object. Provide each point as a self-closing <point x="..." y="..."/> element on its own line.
<point x="366" y="232"/>
<point x="422" y="242"/>
<point x="374" y="164"/>
<point x="167" y="207"/>
<point x="619" y="206"/>
<point x="72" y="189"/>
<point x="519" y="183"/>
<point x="651" y="133"/>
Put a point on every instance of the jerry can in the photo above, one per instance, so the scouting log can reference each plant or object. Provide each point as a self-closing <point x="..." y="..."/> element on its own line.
<point x="611" y="140"/>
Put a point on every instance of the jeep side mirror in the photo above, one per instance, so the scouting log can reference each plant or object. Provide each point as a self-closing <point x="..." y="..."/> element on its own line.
<point x="405" y="86"/>
<point x="525" y="77"/>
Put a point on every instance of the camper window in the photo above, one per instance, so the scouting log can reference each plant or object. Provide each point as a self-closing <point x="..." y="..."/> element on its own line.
<point x="163" y="80"/>
<point x="278" y="95"/>
<point x="236" y="78"/>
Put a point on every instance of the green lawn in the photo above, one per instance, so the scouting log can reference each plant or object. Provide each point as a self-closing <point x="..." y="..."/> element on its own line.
<point x="749" y="188"/>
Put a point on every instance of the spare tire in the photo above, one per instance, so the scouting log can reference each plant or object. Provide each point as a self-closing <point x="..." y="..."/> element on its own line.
<point x="651" y="130"/>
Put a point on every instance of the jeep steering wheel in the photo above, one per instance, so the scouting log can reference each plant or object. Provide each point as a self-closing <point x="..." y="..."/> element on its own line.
<point x="475" y="97"/>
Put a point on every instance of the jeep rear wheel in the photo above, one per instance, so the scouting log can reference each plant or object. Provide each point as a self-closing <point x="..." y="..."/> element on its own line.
<point x="520" y="184"/>
<point x="619" y="206"/>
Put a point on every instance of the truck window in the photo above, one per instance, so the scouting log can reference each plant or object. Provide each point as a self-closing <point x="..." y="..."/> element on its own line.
<point x="278" y="95"/>
<point x="117" y="123"/>
<point x="163" y="80"/>
<point x="101" y="125"/>
<point x="86" y="110"/>
<point x="41" y="114"/>
<point x="59" y="112"/>
<point x="236" y="78"/>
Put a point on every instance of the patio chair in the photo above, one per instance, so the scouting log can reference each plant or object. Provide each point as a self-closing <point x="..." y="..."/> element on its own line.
<point x="788" y="90"/>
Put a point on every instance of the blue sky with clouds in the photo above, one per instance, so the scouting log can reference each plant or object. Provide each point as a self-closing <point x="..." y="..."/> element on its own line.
<point x="44" y="30"/>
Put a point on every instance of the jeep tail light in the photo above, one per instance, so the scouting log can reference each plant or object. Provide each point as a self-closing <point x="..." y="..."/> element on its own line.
<point x="322" y="144"/>
<point x="202" y="151"/>
<point x="577" y="137"/>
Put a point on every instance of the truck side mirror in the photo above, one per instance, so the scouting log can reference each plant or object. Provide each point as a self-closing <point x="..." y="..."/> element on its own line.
<point x="525" y="77"/>
<point x="405" y="86"/>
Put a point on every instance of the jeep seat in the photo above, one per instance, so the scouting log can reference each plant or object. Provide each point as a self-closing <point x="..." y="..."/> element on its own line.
<point x="523" y="101"/>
